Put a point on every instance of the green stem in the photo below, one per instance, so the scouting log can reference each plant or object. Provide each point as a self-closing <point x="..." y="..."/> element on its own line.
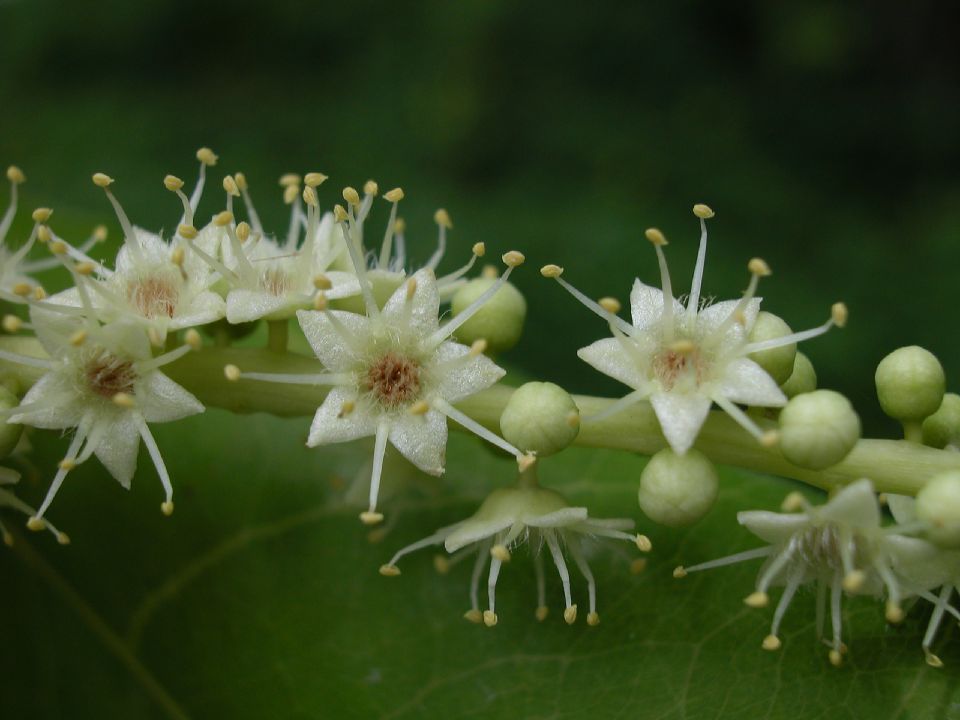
<point x="913" y="431"/>
<point x="278" y="332"/>
<point x="894" y="466"/>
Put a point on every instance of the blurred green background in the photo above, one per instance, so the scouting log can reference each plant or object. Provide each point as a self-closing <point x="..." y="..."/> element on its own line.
<point x="824" y="135"/>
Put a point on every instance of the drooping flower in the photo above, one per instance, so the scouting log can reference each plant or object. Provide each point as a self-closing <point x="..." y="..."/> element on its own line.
<point x="9" y="500"/>
<point x="528" y="514"/>
<point x="395" y="373"/>
<point x="103" y="382"/>
<point x="684" y="358"/>
<point x="840" y="546"/>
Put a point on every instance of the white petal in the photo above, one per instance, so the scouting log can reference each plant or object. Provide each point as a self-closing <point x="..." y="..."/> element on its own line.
<point x="160" y="399"/>
<point x="206" y="307"/>
<point x="464" y="378"/>
<point x="118" y="447"/>
<point x="746" y="383"/>
<point x="854" y="506"/>
<point x="712" y="316"/>
<point x="774" y="528"/>
<point x="344" y="284"/>
<point x="681" y="417"/>
<point x="611" y="358"/>
<point x="902" y="507"/>
<point x="329" y="427"/>
<point x="558" y="518"/>
<point x="470" y="531"/>
<point x="57" y="387"/>
<point x="922" y="565"/>
<point x="330" y="346"/>
<point x="422" y="439"/>
<point x="247" y="305"/>
<point x="424" y="306"/>
<point x="646" y="305"/>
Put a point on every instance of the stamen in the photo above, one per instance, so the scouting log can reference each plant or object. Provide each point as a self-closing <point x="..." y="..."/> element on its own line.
<point x="658" y="240"/>
<point x="442" y="218"/>
<point x="16" y="177"/>
<point x="593" y="619"/>
<point x="254" y="218"/>
<point x="704" y="213"/>
<point x="682" y="571"/>
<point x="570" y="611"/>
<point x="542" y="611"/>
<point x="767" y="438"/>
<point x="758" y="268"/>
<point x="479" y="250"/>
<point x="207" y="158"/>
<point x="473" y="426"/>
<point x="617" y="406"/>
<point x="36" y="522"/>
<point x="105" y="181"/>
<point x="490" y="615"/>
<point x="554" y="272"/>
<point x="390" y="569"/>
<point x="473" y="614"/>
<point x="371" y="516"/>
<point x="234" y="374"/>
<point x="358" y="265"/>
<point x="27" y="360"/>
<point x="167" y="506"/>
<point x="145" y="366"/>
<point x="838" y="318"/>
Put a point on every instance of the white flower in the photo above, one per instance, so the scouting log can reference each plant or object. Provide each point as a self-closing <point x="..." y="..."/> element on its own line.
<point x="9" y="500"/>
<point x="394" y="373"/>
<point x="684" y="358"/>
<point x="103" y="382"/>
<point x="510" y="517"/>
<point x="840" y="546"/>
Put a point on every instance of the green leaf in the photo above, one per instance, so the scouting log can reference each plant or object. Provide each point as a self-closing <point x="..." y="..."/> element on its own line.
<point x="260" y="597"/>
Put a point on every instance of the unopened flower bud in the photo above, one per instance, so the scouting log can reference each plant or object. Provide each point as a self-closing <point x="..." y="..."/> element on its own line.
<point x="540" y="418"/>
<point x="910" y="384"/>
<point x="803" y="379"/>
<point x="778" y="362"/>
<point x="943" y="427"/>
<point x="938" y="504"/>
<point x="9" y="433"/>
<point x="818" y="429"/>
<point x="499" y="321"/>
<point x="678" y="490"/>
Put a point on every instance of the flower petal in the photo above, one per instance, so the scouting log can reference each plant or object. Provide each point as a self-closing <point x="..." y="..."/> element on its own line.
<point x="746" y="383"/>
<point x="421" y="439"/>
<point x="421" y="312"/>
<point x="681" y="417"/>
<point x="855" y="506"/>
<point x="329" y="427"/>
<point x="245" y="305"/>
<point x="66" y="409"/>
<point x="712" y="316"/>
<point x="159" y="399"/>
<point x="331" y="347"/>
<point x="206" y="307"/>
<point x="471" y="531"/>
<point x="610" y="357"/>
<point x="462" y="378"/>
<point x="558" y="518"/>
<point x="119" y="446"/>
<point x="772" y="527"/>
<point x="646" y="305"/>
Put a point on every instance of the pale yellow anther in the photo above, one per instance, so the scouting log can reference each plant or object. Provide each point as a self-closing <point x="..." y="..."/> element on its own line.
<point x="156" y="337"/>
<point x="102" y="180"/>
<point x="551" y="271"/>
<point x="314" y="179"/>
<point x="11" y="323"/>
<point x="759" y="267"/>
<point x="368" y="517"/>
<point x="479" y="249"/>
<point x="206" y="156"/>
<point x="932" y="660"/>
<point x="388" y="570"/>
<point x="882" y="499"/>
<point x="638" y="565"/>
<point x="187" y="231"/>
<point x="771" y="643"/>
<point x="231" y="372"/>
<point x="836" y="659"/>
<point x="740" y="317"/>
<point x="222" y="219"/>
<point x="310" y="197"/>
<point x="794" y="502"/>
<point x="78" y="338"/>
<point x="43" y="234"/>
<point x="420" y="407"/>
<point x="15" y="175"/>
<point x="41" y="214"/>
<point x="370" y="187"/>
<point x="67" y="464"/>
<point x="243" y="231"/>
<point x="854" y="580"/>
<point x="770" y="438"/>
<point x="894" y="613"/>
<point x="172" y="183"/>
<point x="320" y="301"/>
<point x="290" y="194"/>
<point x="703" y="211"/>
<point x="490" y="272"/>
<point x="610" y="304"/>
<point x="395" y="195"/>
<point x="541" y="613"/>
<point x="500" y="553"/>
<point x="525" y="462"/>
<point x="513" y="258"/>
<point x="489" y="618"/>
<point x="85" y="268"/>
<point x="679" y="572"/>
<point x="348" y="407"/>
<point x="400" y="226"/>
<point x="7" y="539"/>
<point x="22" y="289"/>
<point x="573" y="418"/>
<point x="655" y="236"/>
<point x="411" y="288"/>
<point x="683" y="347"/>
<point x="340" y="213"/>
<point x="289" y="179"/>
<point x="193" y="339"/>
<point x="351" y="196"/>
<point x="58" y="248"/>
<point x="177" y="256"/>
<point x="63" y="538"/>
<point x="441" y="565"/>
<point x="166" y="507"/>
<point x="100" y="233"/>
<point x="442" y="218"/>
<point x="643" y="543"/>
<point x="230" y="186"/>
<point x="474" y="616"/>
<point x="839" y="314"/>
<point x="124" y="400"/>
<point x="593" y="619"/>
<point x="757" y="600"/>
<point x="322" y="282"/>
<point x="241" y="180"/>
<point x="36" y="524"/>
<point x="39" y="293"/>
<point x="478" y="347"/>
<point x="570" y="615"/>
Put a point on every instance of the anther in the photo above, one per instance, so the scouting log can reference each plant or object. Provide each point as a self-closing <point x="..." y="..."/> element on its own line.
<point x="703" y="211"/>
<point x="39" y="293"/>
<point x="388" y="570"/>
<point x="187" y="231"/>
<point x="155" y="336"/>
<point x="643" y="543"/>
<point x="593" y="619"/>
<point x="370" y="188"/>
<point x="411" y="288"/>
<point x="836" y="659"/>
<point x="638" y="565"/>
<point x="400" y="226"/>
<point x="683" y="347"/>
<point x="63" y="538"/>
<point x="894" y="613"/>
<point x="230" y="186"/>
<point x="347" y="408"/>
<point x="474" y="616"/>
<point x="479" y="249"/>
<point x="610" y="304"/>
<point x="854" y="580"/>
<point x="794" y="502"/>
<point x="100" y="233"/>
<point x="478" y="347"/>
<point x="573" y="418"/>
<point x="570" y="615"/>
<point x="241" y="180"/>
<point x="440" y="564"/>
<point x="11" y="323"/>
<point x="290" y="193"/>
<point x="541" y="613"/>
<point x="289" y="179"/>
<point x="22" y="289"/>
<point x="310" y="197"/>
<point x="351" y="196"/>
<point x="839" y="314"/>
<point x="320" y="301"/>
<point x="172" y="183"/>
<point x="193" y="339"/>
<point x="206" y="156"/>
<point x="15" y="175"/>
<point x="756" y="600"/>
<point x="102" y="180"/>
<point x="655" y="236"/>
<point x="770" y="438"/>
<point x="58" y="248"/>
<point x="371" y="518"/>
<point x="420" y="407"/>
<point x="442" y="218"/>
<point x="759" y="267"/>
<point x="166" y="508"/>
<point x="322" y="282"/>
<point x="41" y="214"/>
<point x="524" y="462"/>
<point x="339" y="213"/>
<point x="513" y="258"/>
<point x="36" y="524"/>
<point x="124" y="400"/>
<point x="679" y="572"/>
<point x="395" y="195"/>
<point x="500" y="553"/>
<point x="43" y="234"/>
<point x="231" y="372"/>
<point x="78" y="338"/>
<point x="177" y="256"/>
<point x="489" y="618"/>
<point x="771" y="642"/>
<point x="490" y="272"/>
<point x="551" y="271"/>
<point x="222" y="219"/>
<point x="67" y="464"/>
<point x="932" y="660"/>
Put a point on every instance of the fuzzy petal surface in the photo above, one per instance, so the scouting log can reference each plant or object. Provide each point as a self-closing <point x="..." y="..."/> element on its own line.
<point x="681" y="417"/>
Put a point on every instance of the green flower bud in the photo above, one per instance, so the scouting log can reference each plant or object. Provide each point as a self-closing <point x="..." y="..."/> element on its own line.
<point x="541" y="418"/>
<point x="910" y="384"/>
<point x="803" y="379"/>
<point x="943" y="427"/>
<point x="678" y="490"/>
<point x="383" y="284"/>
<point x="818" y="429"/>
<point x="499" y="322"/>
<point x="778" y="362"/>
<point x="938" y="504"/>
<point x="9" y="434"/>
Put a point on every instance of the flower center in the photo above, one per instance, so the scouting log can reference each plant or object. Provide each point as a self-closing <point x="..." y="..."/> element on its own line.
<point x="672" y="367"/>
<point x="154" y="297"/>
<point x="107" y="375"/>
<point x="394" y="379"/>
<point x="822" y="547"/>
<point x="274" y="281"/>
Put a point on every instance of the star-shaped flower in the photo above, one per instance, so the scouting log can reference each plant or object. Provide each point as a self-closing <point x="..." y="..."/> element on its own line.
<point x="528" y="514"/>
<point x="684" y="358"/>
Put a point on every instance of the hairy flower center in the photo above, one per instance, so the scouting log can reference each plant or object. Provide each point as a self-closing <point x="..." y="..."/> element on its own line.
<point x="107" y="375"/>
<point x="671" y="367"/>
<point x="822" y="547"/>
<point x="394" y="379"/>
<point x="154" y="297"/>
<point x="274" y="281"/>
